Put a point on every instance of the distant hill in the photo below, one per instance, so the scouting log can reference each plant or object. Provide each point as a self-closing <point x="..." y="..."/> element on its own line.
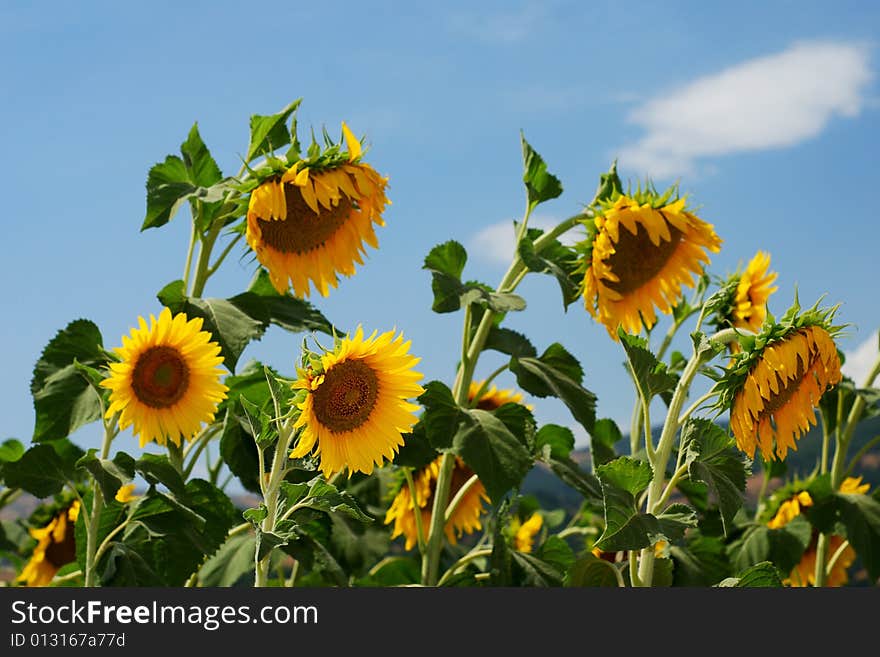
<point x="552" y="493"/>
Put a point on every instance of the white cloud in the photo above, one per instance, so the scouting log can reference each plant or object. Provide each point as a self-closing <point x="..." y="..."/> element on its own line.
<point x="860" y="361"/>
<point x="496" y="243"/>
<point x="768" y="102"/>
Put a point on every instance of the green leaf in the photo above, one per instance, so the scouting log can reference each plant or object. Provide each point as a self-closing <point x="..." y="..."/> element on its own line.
<point x="702" y="562"/>
<point x="509" y="342"/>
<point x="239" y="452"/>
<point x="712" y="457"/>
<point x="10" y="450"/>
<point x="609" y="184"/>
<point x="497" y="456"/>
<point x="650" y="374"/>
<point x="573" y="475"/>
<point x="448" y="258"/>
<point x="107" y="473"/>
<point x="442" y="415"/>
<point x="627" y="474"/>
<point x="541" y="185"/>
<point x="763" y="574"/>
<point x="256" y="515"/>
<point x="555" y="260"/>
<point x="324" y="496"/>
<point x="554" y="441"/>
<point x="589" y="571"/>
<point x="675" y="520"/>
<point x="230" y="563"/>
<point x="168" y="187"/>
<point x="603" y="438"/>
<point x="270" y="132"/>
<point x="64" y="397"/>
<point x="533" y="571"/>
<point x="557" y="552"/>
<point x="42" y="470"/>
<point x="860" y="516"/>
<point x="265" y="305"/>
<point x="416" y="452"/>
<point x="157" y="469"/>
<point x="784" y="546"/>
<point x="173" y="296"/>
<point x="125" y="566"/>
<point x="112" y="515"/>
<point x="519" y="421"/>
<point x="394" y="571"/>
<point x="230" y="327"/>
<point x="557" y="373"/>
<point x="201" y="168"/>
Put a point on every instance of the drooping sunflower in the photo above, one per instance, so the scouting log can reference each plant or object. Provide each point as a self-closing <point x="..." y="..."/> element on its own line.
<point x="804" y="573"/>
<point x="56" y="546"/>
<point x="774" y="386"/>
<point x="356" y="409"/>
<point x="167" y="382"/>
<point x="492" y="398"/>
<point x="640" y="250"/>
<point x="309" y="223"/>
<point x="524" y="532"/>
<point x="464" y="520"/>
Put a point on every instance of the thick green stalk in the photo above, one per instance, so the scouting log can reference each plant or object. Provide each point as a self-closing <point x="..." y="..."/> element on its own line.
<point x="276" y="474"/>
<point x="470" y="356"/>
<point x="667" y="441"/>
<point x="94" y="520"/>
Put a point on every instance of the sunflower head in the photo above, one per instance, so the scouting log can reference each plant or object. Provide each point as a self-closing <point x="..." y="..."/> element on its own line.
<point x="641" y="247"/>
<point x="744" y="296"/>
<point x="56" y="546"/>
<point x="167" y="381"/>
<point x="774" y="385"/>
<point x="464" y="520"/>
<point x="309" y="219"/>
<point x="355" y="409"/>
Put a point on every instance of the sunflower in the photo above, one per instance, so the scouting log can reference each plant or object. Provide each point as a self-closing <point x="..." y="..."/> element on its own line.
<point x="524" y="532"/>
<point x="310" y="222"/>
<point x="492" y="398"/>
<point x="776" y="403"/>
<point x="356" y="409"/>
<point x="630" y="271"/>
<point x="168" y="381"/>
<point x="125" y="494"/>
<point x="56" y="546"/>
<point x="752" y="291"/>
<point x="804" y="573"/>
<point x="464" y="520"/>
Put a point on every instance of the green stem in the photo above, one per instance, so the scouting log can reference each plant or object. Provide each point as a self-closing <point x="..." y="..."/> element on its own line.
<point x="857" y="457"/>
<point x="635" y="427"/>
<point x="679" y="474"/>
<point x="667" y="440"/>
<point x="196" y="448"/>
<point x="189" y="254"/>
<point x="94" y="518"/>
<point x="8" y="496"/>
<point x="821" y="551"/>
<point x="578" y="531"/>
<point x="762" y="492"/>
<point x="225" y="252"/>
<point x="634" y="570"/>
<point x="459" y="496"/>
<point x="487" y="382"/>
<point x="202" y="266"/>
<point x="466" y="559"/>
<point x="175" y="455"/>
<point x="417" y="510"/>
<point x="276" y="474"/>
<point x="834" y="557"/>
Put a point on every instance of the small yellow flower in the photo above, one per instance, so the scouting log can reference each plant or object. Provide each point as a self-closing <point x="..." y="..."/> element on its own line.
<point x="56" y="547"/>
<point x="525" y="532"/>
<point x="125" y="494"/>
<point x="492" y="398"/>
<point x="754" y="288"/>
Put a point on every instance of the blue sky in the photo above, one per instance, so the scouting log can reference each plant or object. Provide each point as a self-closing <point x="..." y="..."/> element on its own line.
<point x="766" y="112"/>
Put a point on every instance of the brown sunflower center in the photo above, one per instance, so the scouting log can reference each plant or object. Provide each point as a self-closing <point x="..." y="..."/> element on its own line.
<point x="303" y="230"/>
<point x="787" y="387"/>
<point x="347" y="396"/>
<point x="160" y="377"/>
<point x="637" y="260"/>
<point x="59" y="554"/>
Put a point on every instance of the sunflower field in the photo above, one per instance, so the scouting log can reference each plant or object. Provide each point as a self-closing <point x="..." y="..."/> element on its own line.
<point x="358" y="472"/>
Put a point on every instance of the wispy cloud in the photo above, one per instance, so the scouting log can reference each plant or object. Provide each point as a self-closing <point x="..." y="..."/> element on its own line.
<point x="768" y="102"/>
<point x="509" y="27"/>
<point x="496" y="243"/>
<point x="860" y="361"/>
